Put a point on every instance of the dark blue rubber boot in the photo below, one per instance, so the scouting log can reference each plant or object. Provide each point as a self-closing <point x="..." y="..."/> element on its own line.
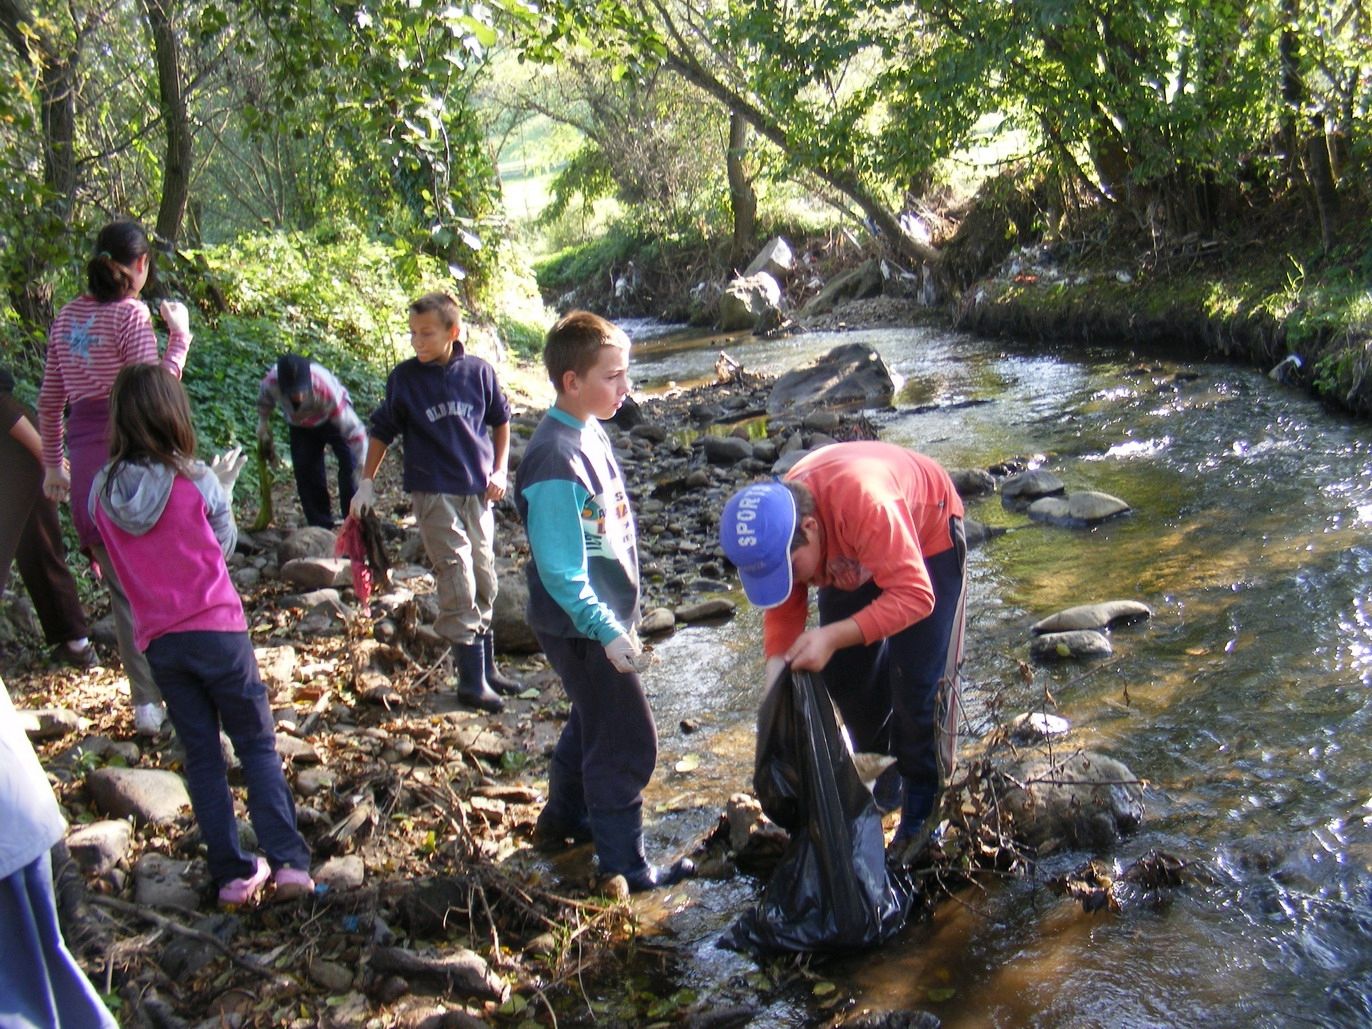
<point x="471" y="679"/>
<point x="619" y="848"/>
<point x="495" y="678"/>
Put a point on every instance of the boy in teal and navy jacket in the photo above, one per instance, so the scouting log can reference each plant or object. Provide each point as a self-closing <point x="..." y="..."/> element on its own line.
<point x="583" y="604"/>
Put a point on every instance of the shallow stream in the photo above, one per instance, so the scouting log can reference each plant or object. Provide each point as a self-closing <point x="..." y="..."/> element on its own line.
<point x="1244" y="702"/>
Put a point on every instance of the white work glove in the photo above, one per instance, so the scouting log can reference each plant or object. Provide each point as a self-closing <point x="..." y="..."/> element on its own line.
<point x="364" y="499"/>
<point x="174" y="314"/>
<point x="626" y="654"/>
<point x="226" y="467"/>
<point x="775" y="666"/>
<point x="56" y="484"/>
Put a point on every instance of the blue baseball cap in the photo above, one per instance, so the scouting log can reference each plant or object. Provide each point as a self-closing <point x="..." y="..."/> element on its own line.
<point x="755" y="532"/>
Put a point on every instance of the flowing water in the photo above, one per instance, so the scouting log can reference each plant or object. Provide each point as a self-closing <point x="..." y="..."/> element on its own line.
<point x="1244" y="702"/>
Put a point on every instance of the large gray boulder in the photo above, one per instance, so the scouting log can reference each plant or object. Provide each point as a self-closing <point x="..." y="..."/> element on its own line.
<point x="852" y="375"/>
<point x="1083" y="801"/>
<point x="749" y="302"/>
<point x="775" y="259"/>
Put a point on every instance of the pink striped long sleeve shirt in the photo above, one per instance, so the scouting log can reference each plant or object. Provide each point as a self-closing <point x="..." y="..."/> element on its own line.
<point x="88" y="344"/>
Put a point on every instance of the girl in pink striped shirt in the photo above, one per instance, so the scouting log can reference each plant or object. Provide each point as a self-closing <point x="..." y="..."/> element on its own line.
<point x="91" y="339"/>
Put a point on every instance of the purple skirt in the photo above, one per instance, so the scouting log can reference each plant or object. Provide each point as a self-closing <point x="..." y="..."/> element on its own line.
<point x="88" y="448"/>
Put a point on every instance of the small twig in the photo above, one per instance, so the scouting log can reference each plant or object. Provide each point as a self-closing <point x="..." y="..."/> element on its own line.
<point x="430" y="670"/>
<point x="163" y="922"/>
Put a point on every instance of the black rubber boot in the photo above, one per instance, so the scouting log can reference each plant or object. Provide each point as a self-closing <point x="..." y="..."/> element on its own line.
<point x="471" y="679"/>
<point x="619" y="848"/>
<point x="495" y="678"/>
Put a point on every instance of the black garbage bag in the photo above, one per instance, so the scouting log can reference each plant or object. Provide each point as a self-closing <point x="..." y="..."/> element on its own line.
<point x="832" y="890"/>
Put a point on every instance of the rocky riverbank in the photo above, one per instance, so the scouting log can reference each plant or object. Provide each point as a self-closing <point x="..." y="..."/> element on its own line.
<point x="433" y="909"/>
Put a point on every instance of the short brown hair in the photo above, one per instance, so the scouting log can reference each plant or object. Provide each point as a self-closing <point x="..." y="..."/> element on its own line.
<point x="575" y="342"/>
<point x="440" y="304"/>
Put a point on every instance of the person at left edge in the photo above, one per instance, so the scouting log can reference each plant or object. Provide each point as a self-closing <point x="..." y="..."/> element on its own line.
<point x="320" y="416"/>
<point x="41" y="985"/>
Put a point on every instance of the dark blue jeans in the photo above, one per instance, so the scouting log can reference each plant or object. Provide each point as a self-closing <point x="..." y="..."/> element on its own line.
<point x="609" y="744"/>
<point x="888" y="692"/>
<point x="311" y="477"/>
<point x="209" y="679"/>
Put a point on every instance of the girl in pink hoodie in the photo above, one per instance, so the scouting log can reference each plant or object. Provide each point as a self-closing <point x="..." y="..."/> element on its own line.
<point x="167" y="526"/>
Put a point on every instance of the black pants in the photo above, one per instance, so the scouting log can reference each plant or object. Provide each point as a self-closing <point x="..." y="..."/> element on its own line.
<point x="888" y="692"/>
<point x="31" y="538"/>
<point x="311" y="477"/>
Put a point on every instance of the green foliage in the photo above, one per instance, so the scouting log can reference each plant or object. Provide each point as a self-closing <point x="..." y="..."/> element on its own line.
<point x="586" y="176"/>
<point x="588" y="261"/>
<point x="331" y="295"/>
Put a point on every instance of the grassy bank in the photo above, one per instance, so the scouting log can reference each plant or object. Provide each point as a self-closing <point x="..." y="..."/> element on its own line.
<point x="1257" y="294"/>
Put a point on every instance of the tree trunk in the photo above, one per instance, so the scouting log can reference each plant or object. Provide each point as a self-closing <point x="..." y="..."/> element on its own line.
<point x="742" y="196"/>
<point x="172" y="101"/>
<point x="30" y="292"/>
<point x="684" y="64"/>
<point x="1319" y="171"/>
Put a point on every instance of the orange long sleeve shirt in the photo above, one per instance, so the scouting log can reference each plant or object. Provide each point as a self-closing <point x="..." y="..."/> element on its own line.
<point x="883" y="510"/>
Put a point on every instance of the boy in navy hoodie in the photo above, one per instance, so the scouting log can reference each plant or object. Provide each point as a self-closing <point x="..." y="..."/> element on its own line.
<point x="449" y="407"/>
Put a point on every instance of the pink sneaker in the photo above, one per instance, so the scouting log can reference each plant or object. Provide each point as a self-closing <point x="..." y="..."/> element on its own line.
<point x="237" y="892"/>
<point x="292" y="883"/>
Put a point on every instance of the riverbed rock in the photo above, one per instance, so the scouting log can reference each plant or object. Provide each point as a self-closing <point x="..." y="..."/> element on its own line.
<point x="977" y="533"/>
<point x="312" y="573"/>
<point x="1068" y="646"/>
<point x="972" y="482"/>
<point x="346" y="872"/>
<point x="748" y="302"/>
<point x="161" y="881"/>
<point x="1037" y="726"/>
<point x="717" y="607"/>
<point x="462" y="971"/>
<point x="183" y="956"/>
<point x="866" y="280"/>
<point x="656" y="622"/>
<point x="99" y="846"/>
<point x="1078" y="510"/>
<point x="849" y="376"/>
<point x="1085" y="800"/>
<point x="1022" y="489"/>
<point x="510" y="622"/>
<point x="310" y="541"/>
<point x="1093" y="616"/>
<point x="325" y="618"/>
<point x="726" y="450"/>
<point x="50" y="723"/>
<point x="147" y="794"/>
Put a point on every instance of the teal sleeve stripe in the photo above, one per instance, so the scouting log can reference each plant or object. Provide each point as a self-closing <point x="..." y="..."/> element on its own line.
<point x="559" y="552"/>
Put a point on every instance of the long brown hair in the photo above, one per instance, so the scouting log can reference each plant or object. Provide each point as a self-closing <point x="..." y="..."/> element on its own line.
<point x="150" y="418"/>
